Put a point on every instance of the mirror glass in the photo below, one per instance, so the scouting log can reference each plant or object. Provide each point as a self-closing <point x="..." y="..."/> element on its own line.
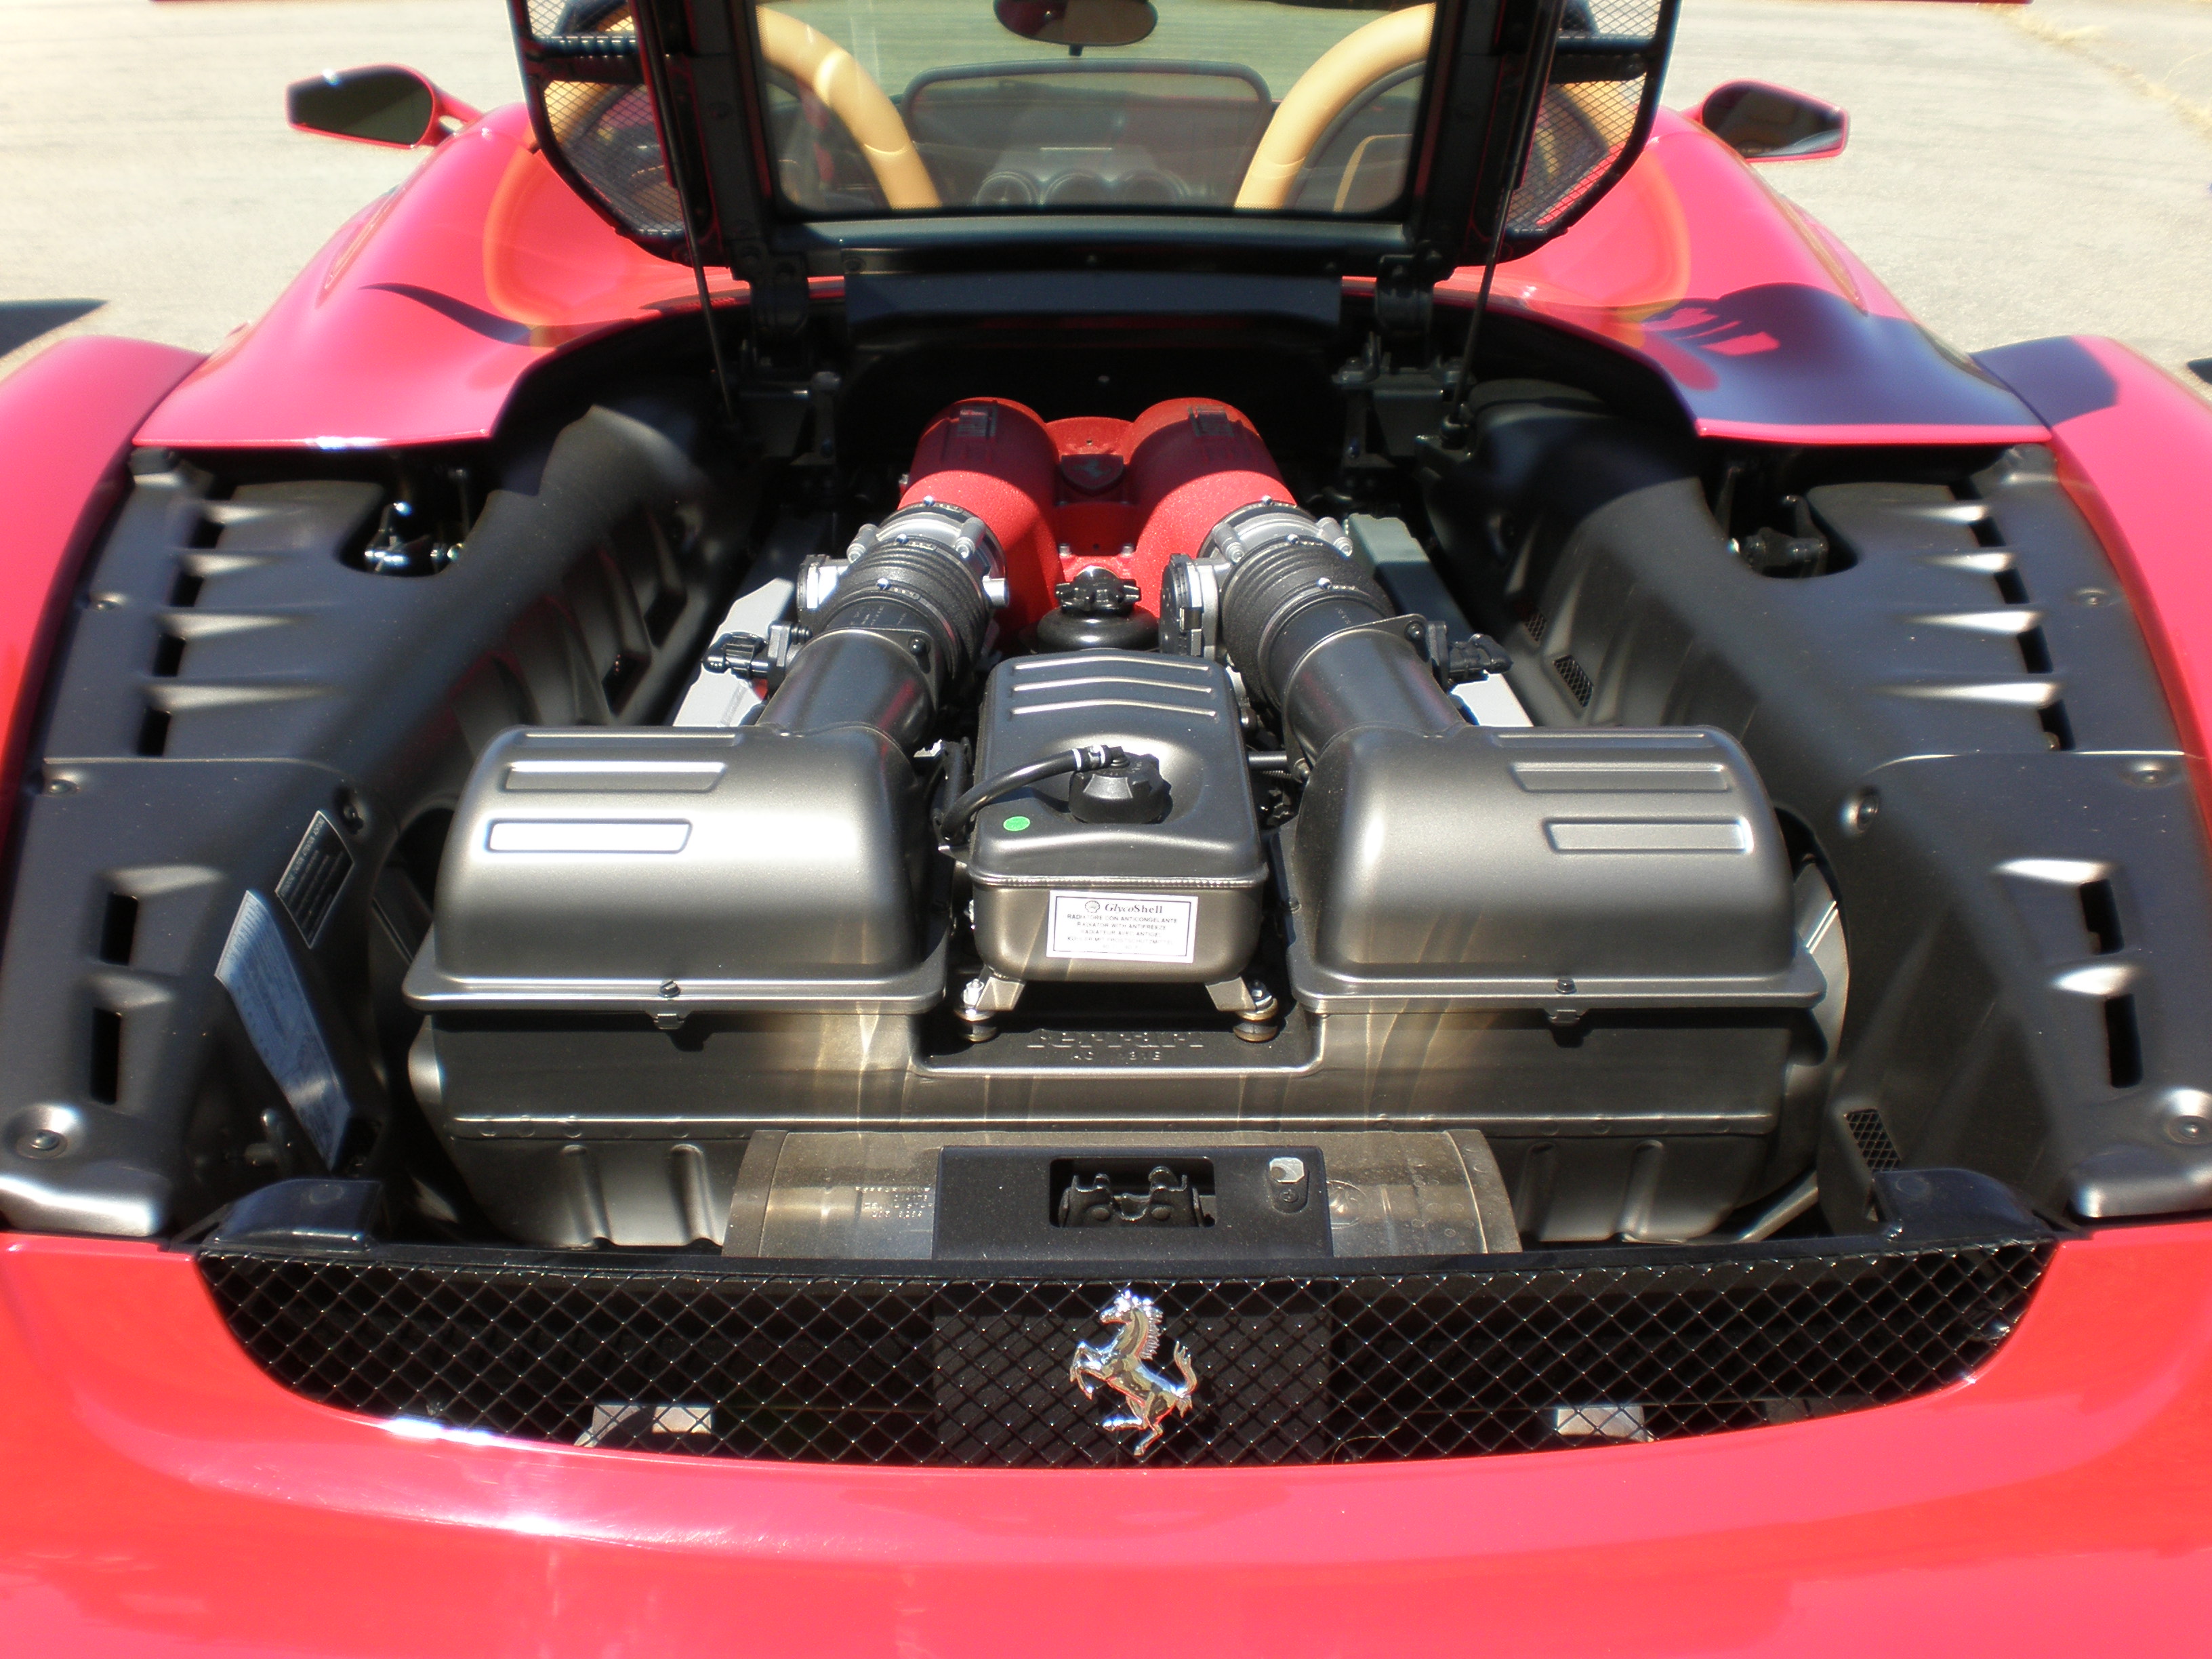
<point x="1079" y="22"/>
<point x="393" y="107"/>
<point x="1763" y="123"/>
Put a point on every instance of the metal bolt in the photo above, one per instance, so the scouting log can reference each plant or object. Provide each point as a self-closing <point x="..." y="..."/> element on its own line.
<point x="1566" y="986"/>
<point x="61" y="786"/>
<point x="41" y="1143"/>
<point x="670" y="989"/>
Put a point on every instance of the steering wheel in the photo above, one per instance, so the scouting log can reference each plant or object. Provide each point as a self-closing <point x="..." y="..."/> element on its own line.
<point x="835" y="76"/>
<point x="1335" y="83"/>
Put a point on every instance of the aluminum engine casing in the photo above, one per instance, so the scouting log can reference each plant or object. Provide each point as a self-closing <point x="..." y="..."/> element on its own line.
<point x="675" y="872"/>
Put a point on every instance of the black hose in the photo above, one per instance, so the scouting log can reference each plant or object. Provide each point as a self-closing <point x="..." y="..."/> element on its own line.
<point x="901" y="629"/>
<point x="1316" y="640"/>
<point x="952" y="826"/>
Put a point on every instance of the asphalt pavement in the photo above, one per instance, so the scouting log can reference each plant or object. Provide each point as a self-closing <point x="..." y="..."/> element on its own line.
<point x="2013" y="172"/>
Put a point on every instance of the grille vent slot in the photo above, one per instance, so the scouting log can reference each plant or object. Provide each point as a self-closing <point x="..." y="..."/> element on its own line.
<point x="118" y="929"/>
<point x="153" y="733"/>
<point x="1576" y="676"/>
<point x="2123" y="1042"/>
<point x="105" y="1084"/>
<point x="1871" y="1136"/>
<point x="2101" y="914"/>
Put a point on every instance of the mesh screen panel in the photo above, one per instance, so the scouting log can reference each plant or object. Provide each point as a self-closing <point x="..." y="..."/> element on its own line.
<point x="694" y="1358"/>
<point x="588" y="104"/>
<point x="1606" y="72"/>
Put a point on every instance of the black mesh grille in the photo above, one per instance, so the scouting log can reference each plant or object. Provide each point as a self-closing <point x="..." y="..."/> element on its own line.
<point x="589" y="106"/>
<point x="1554" y="1353"/>
<point x="1606" y="74"/>
<point x="1576" y="677"/>
<point x="1871" y="1136"/>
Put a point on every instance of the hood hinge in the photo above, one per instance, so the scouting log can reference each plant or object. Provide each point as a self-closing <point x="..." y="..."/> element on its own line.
<point x="1404" y="291"/>
<point x="777" y="311"/>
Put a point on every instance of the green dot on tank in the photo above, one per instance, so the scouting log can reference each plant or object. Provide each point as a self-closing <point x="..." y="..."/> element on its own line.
<point x="1017" y="824"/>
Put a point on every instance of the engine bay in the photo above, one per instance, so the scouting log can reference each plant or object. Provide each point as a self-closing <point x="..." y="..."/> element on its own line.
<point x="843" y="915"/>
<point x="1008" y="805"/>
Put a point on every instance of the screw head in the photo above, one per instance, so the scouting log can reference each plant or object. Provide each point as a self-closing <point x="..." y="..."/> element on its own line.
<point x="42" y="1143"/>
<point x="670" y="989"/>
<point x="61" y="786"/>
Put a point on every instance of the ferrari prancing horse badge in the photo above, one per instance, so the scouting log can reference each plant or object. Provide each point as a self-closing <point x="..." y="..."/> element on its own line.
<point x="1118" y="1363"/>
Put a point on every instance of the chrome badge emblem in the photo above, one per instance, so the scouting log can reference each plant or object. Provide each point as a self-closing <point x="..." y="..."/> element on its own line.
<point x="1118" y="1363"/>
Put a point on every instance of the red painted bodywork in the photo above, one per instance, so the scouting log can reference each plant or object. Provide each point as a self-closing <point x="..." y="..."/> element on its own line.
<point x="164" y="1497"/>
<point x="424" y="314"/>
<point x="417" y="320"/>
<point x="1766" y="327"/>
<point x="66" y="419"/>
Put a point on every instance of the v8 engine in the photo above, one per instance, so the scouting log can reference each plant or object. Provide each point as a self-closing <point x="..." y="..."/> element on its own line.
<point x="1099" y="797"/>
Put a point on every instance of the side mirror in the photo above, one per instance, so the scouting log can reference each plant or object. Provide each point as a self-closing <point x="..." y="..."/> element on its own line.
<point x="1762" y="123"/>
<point x="387" y="105"/>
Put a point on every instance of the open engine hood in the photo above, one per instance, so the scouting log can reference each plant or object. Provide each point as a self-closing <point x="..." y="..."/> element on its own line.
<point x="655" y="112"/>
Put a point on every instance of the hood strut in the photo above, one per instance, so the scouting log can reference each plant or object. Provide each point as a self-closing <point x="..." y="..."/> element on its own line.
<point x="654" y="61"/>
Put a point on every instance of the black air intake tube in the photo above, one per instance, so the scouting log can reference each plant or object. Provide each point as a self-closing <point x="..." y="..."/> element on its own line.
<point x="1314" y="639"/>
<point x="903" y="625"/>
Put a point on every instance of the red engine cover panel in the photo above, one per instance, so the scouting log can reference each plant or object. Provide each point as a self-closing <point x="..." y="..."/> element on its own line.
<point x="1092" y="489"/>
<point x="1194" y="462"/>
<point x="995" y="459"/>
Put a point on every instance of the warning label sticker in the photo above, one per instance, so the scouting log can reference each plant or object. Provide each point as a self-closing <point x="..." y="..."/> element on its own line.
<point x="1123" y="927"/>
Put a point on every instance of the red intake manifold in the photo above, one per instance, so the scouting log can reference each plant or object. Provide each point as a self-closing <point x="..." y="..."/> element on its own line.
<point x="1092" y="490"/>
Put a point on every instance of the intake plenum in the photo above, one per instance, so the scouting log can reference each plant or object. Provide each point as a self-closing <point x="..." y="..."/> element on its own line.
<point x="902" y="625"/>
<point x="1314" y="637"/>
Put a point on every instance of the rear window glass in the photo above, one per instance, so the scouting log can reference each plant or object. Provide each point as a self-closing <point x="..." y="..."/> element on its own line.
<point x="1091" y="105"/>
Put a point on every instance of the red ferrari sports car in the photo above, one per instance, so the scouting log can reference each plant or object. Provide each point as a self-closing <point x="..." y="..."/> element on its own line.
<point x="924" y="824"/>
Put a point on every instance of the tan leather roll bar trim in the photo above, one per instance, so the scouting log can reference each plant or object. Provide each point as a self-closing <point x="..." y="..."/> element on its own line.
<point x="830" y="73"/>
<point x="1324" y="92"/>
